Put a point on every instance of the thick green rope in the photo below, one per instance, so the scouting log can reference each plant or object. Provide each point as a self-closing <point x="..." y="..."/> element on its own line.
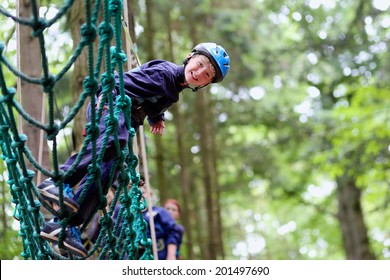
<point x="114" y="241"/>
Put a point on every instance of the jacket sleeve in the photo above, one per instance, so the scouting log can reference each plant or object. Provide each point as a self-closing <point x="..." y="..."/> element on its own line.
<point x="153" y="120"/>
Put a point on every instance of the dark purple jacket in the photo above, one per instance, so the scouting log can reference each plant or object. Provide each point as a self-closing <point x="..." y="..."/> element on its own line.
<point x="154" y="86"/>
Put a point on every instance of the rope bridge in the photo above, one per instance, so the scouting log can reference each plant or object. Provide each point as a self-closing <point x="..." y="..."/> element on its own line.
<point x="114" y="241"/>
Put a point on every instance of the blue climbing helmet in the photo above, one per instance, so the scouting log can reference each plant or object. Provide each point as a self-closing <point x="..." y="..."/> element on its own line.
<point x="218" y="58"/>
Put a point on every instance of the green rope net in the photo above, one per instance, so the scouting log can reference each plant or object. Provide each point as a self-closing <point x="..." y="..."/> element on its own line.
<point x="123" y="239"/>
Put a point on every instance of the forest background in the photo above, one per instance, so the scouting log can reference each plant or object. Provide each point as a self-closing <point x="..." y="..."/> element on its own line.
<point x="288" y="158"/>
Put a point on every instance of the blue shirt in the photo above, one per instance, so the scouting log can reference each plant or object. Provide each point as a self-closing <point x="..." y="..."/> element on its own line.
<point x="165" y="229"/>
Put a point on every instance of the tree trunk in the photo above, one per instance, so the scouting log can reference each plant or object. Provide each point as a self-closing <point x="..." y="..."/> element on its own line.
<point x="350" y="215"/>
<point x="200" y="218"/>
<point x="129" y="17"/>
<point x="184" y="182"/>
<point x="160" y="177"/>
<point x="207" y="176"/>
<point x="31" y="96"/>
<point x="217" y="205"/>
<point x="183" y="158"/>
<point x="77" y="17"/>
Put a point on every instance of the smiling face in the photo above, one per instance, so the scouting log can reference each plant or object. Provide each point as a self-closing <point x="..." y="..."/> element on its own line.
<point x="199" y="71"/>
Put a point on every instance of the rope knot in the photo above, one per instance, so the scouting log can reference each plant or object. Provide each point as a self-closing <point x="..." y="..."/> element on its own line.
<point x="146" y="242"/>
<point x="9" y="95"/>
<point x="108" y="81"/>
<point x="20" y="142"/>
<point x="48" y="83"/>
<point x="23" y="179"/>
<point x="133" y="162"/>
<point x="14" y="187"/>
<point x="106" y="32"/>
<point x="118" y="56"/>
<point x="11" y="91"/>
<point x="52" y="132"/>
<point x="136" y="180"/>
<point x="96" y="171"/>
<point x="89" y="85"/>
<point x="4" y="129"/>
<point x="39" y="26"/>
<point x="106" y="223"/>
<point x="123" y="179"/>
<point x="30" y="173"/>
<point x="33" y="208"/>
<point x="59" y="178"/>
<point x="115" y="6"/>
<point x="88" y="33"/>
<point x="111" y="122"/>
<point x="132" y="132"/>
<point x="92" y="130"/>
<point x="10" y="161"/>
<point x="123" y="102"/>
<point x="124" y="200"/>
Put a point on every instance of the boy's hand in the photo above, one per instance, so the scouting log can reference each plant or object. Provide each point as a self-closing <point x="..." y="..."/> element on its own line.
<point x="158" y="128"/>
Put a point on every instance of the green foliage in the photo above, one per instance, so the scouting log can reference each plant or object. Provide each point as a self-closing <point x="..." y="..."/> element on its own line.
<point x="304" y="102"/>
<point x="11" y="246"/>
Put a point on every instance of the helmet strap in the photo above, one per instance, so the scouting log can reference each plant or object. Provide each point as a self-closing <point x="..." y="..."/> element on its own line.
<point x="195" y="89"/>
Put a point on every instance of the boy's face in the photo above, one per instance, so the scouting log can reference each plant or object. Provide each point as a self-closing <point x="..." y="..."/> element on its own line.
<point x="199" y="71"/>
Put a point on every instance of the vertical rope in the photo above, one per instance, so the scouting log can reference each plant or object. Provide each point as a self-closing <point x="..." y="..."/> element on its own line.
<point x="129" y="63"/>
<point x="148" y="191"/>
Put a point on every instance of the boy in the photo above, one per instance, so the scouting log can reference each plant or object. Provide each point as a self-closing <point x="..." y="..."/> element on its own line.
<point x="153" y="88"/>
